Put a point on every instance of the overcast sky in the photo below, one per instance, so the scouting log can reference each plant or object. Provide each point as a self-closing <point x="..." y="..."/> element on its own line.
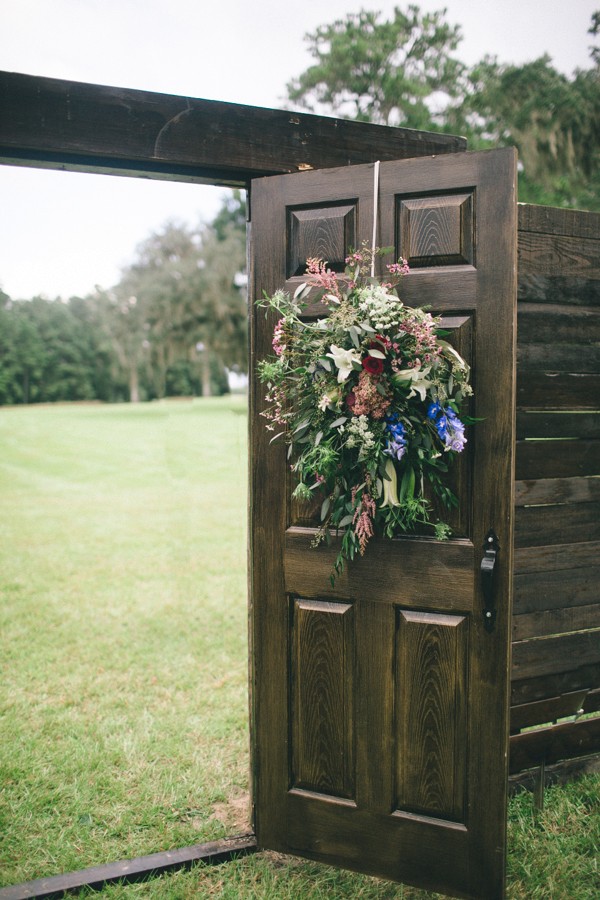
<point x="62" y="233"/>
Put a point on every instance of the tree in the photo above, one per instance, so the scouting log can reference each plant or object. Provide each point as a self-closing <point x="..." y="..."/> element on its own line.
<point x="554" y="122"/>
<point x="397" y="72"/>
<point x="405" y="72"/>
<point x="185" y="304"/>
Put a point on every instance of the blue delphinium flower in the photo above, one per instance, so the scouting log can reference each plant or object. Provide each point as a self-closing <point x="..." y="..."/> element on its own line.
<point x="448" y="426"/>
<point x="396" y="444"/>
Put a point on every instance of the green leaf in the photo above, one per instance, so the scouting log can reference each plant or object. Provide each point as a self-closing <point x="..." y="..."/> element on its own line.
<point x="318" y="438"/>
<point x="353" y="332"/>
<point x="341" y="421"/>
<point x="301" y="291"/>
<point x="326" y="363"/>
<point x="325" y="508"/>
<point x="407" y="486"/>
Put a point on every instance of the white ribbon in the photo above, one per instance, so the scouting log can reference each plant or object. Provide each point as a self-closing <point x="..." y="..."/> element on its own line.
<point x="375" y="211"/>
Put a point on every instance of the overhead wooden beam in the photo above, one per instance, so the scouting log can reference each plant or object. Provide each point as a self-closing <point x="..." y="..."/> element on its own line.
<point x="49" y="123"/>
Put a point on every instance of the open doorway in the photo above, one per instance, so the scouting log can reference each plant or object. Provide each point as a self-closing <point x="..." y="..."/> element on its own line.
<point x="124" y="632"/>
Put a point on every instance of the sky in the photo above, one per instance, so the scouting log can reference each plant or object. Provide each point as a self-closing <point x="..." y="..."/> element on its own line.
<point x="61" y="234"/>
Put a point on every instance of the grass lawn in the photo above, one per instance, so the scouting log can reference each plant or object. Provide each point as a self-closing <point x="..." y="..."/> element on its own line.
<point x="123" y="700"/>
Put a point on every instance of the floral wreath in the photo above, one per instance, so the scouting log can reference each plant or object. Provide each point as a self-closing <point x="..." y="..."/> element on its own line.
<point x="369" y="398"/>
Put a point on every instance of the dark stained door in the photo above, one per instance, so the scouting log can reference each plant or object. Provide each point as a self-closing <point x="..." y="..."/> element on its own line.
<point x="380" y="706"/>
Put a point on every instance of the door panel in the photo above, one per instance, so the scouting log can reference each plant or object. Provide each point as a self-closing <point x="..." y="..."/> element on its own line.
<point x="380" y="705"/>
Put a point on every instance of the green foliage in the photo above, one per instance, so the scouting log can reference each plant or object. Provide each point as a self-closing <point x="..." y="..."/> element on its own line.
<point x="173" y="323"/>
<point x="405" y="71"/>
<point x="554" y="122"/>
<point x="382" y="71"/>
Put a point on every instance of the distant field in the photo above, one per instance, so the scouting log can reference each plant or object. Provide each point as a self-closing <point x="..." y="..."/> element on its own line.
<point x="123" y="653"/>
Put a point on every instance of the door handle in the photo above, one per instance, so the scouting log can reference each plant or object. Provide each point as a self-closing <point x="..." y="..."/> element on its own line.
<point x="488" y="566"/>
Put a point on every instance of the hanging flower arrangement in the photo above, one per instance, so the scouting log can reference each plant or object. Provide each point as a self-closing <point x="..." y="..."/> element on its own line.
<point x="369" y="400"/>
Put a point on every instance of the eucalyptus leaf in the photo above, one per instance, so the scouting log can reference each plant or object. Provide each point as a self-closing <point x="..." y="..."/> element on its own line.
<point x="353" y="331"/>
<point x="325" y="508"/>
<point x="377" y="354"/>
<point x="341" y="421"/>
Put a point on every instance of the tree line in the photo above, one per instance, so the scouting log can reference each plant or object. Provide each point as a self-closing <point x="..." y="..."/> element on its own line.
<point x="173" y="325"/>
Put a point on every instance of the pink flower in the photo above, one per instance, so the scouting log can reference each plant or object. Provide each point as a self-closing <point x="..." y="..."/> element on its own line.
<point x="363" y="519"/>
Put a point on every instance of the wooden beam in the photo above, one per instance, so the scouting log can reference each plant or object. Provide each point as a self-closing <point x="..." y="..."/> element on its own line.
<point x="131" y="870"/>
<point x="46" y="122"/>
<point x="553" y="744"/>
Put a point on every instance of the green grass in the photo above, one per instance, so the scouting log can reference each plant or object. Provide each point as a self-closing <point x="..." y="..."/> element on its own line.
<point x="123" y="700"/>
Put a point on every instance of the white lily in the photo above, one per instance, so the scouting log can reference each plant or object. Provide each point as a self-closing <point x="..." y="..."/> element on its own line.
<point x="390" y="486"/>
<point x="418" y="379"/>
<point x="343" y="360"/>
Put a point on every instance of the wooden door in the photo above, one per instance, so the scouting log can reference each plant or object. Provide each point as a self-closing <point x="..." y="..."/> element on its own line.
<point x="380" y="706"/>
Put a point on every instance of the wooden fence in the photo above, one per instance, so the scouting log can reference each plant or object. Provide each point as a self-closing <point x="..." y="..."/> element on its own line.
<point x="556" y="625"/>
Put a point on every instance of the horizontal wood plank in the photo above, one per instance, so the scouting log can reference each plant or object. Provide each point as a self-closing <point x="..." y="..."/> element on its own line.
<point x="559" y="773"/>
<point x="560" y="458"/>
<point x="538" y="526"/>
<point x="539" y="323"/>
<point x="558" y="289"/>
<point x="557" y="621"/>
<point x="557" y="557"/>
<point x="558" y="254"/>
<point x="540" y="687"/>
<point x="552" y="655"/>
<point x="548" y="590"/>
<point x="554" y="220"/>
<point x="557" y="490"/>
<point x="557" y="357"/>
<point x="592" y="702"/>
<point x="63" y="124"/>
<point x="558" y="424"/>
<point x="449" y="574"/>
<point x="558" y="390"/>
<point x="541" y="712"/>
<point x="565" y="741"/>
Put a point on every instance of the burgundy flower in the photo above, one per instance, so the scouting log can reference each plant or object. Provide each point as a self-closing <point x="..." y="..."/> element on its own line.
<point x="350" y="400"/>
<point x="373" y="365"/>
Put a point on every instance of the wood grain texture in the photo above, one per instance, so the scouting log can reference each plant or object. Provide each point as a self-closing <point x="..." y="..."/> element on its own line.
<point x="560" y="424"/>
<point x="551" y="459"/>
<point x="76" y="126"/>
<point x="553" y="655"/>
<point x="549" y="220"/>
<point x="538" y="526"/>
<point x="431" y="727"/>
<point x="552" y="390"/>
<point x="553" y="589"/>
<point x="566" y="741"/>
<point x="541" y="712"/>
<point x="557" y="621"/>
<point x="322" y="713"/>
<point x="557" y="490"/>
<point x="552" y="684"/>
<point x="575" y="290"/>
